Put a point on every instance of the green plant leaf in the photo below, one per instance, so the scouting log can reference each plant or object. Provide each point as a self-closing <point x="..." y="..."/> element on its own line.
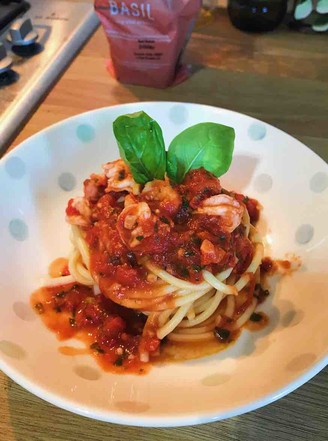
<point x="141" y="145"/>
<point x="322" y="7"/>
<point x="303" y="9"/>
<point x="207" y="145"/>
<point x="320" y="24"/>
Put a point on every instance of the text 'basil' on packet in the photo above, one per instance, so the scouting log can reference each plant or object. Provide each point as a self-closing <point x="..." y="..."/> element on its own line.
<point x="147" y="39"/>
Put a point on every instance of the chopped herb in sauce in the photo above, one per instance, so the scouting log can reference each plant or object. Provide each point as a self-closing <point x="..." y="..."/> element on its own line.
<point x="164" y="220"/>
<point x="39" y="308"/>
<point x="119" y="360"/>
<point x="222" y="334"/>
<point x="197" y="268"/>
<point x="256" y="317"/>
<point x="185" y="203"/>
<point x="115" y="260"/>
<point x="95" y="347"/>
<point x="260" y="293"/>
<point x="131" y="257"/>
<point x="139" y="238"/>
<point x="61" y="294"/>
<point x="197" y="240"/>
<point x="189" y="253"/>
<point x="184" y="272"/>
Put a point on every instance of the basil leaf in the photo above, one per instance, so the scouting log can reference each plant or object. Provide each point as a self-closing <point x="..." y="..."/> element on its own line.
<point x="207" y="145"/>
<point x="141" y="145"/>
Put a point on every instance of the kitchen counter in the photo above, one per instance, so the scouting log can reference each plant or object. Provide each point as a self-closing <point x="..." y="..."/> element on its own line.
<point x="279" y="77"/>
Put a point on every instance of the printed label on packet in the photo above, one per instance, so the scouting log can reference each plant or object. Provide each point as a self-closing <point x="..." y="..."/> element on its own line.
<point x="147" y="39"/>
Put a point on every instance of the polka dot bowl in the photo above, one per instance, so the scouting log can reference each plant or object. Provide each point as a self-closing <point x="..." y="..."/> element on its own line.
<point x="290" y="181"/>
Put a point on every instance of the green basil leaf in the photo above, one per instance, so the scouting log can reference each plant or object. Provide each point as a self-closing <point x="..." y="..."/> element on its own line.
<point x="141" y="145"/>
<point x="207" y="145"/>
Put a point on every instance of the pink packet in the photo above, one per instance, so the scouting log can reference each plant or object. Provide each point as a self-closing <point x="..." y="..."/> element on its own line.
<point x="147" y="38"/>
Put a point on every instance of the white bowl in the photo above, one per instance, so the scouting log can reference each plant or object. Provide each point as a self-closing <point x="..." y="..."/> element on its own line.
<point x="290" y="181"/>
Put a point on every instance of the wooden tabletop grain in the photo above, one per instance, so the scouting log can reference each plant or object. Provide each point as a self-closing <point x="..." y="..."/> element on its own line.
<point x="279" y="77"/>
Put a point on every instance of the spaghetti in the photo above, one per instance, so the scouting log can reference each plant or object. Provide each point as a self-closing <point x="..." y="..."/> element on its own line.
<point x="186" y="256"/>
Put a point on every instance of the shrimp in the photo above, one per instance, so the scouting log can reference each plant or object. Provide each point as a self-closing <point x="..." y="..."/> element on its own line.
<point x="94" y="187"/>
<point x="229" y="209"/>
<point x="130" y="200"/>
<point x="162" y="192"/>
<point x="120" y="177"/>
<point x="211" y="253"/>
<point x="78" y="212"/>
<point x="135" y="223"/>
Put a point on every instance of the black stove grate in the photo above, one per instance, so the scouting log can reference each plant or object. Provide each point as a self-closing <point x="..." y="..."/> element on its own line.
<point x="9" y="10"/>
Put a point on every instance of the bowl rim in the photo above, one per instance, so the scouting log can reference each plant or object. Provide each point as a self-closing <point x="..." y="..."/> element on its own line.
<point x="126" y="418"/>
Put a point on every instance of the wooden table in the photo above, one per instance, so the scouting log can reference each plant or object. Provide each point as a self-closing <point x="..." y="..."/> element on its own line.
<point x="281" y="78"/>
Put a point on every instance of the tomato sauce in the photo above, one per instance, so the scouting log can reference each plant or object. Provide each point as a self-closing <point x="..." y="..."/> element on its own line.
<point x="270" y="267"/>
<point x="59" y="267"/>
<point x="172" y="234"/>
<point x="171" y="238"/>
<point x="111" y="333"/>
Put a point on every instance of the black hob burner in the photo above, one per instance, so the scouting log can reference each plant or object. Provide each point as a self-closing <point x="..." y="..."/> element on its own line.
<point x="9" y="10"/>
<point x="8" y="77"/>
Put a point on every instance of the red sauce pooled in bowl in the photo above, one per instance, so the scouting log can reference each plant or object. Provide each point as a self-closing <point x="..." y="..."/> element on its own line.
<point x="111" y="333"/>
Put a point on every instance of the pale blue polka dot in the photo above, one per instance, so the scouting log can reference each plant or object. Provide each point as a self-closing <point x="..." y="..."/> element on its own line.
<point x="66" y="181"/>
<point x="304" y="233"/>
<point x="178" y="114"/>
<point x="12" y="350"/>
<point x="263" y="183"/>
<point x="257" y="131"/>
<point x="18" y="229"/>
<point x="319" y="182"/>
<point x="15" y="167"/>
<point x="85" y="132"/>
<point x="24" y="311"/>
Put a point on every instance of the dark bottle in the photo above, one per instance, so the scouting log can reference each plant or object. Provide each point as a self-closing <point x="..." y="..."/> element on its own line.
<point x="257" y="15"/>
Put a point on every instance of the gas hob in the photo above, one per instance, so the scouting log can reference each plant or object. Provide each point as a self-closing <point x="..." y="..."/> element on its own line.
<point x="38" y="39"/>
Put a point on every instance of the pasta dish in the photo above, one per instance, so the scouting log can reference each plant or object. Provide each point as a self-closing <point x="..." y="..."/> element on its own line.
<point x="175" y="258"/>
